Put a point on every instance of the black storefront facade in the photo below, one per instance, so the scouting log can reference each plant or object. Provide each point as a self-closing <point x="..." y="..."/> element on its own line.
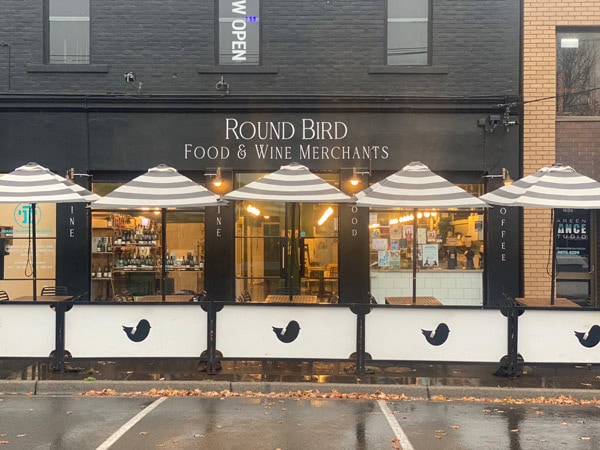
<point x="115" y="139"/>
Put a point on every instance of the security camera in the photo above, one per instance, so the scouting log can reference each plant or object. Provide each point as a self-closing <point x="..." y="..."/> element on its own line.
<point x="129" y="77"/>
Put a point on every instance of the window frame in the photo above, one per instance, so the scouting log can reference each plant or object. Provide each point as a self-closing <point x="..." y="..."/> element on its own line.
<point x="218" y="20"/>
<point x="560" y="113"/>
<point x="47" y="37"/>
<point x="429" y="21"/>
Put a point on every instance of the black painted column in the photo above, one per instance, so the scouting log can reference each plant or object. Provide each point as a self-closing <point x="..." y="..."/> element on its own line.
<point x="219" y="253"/>
<point x="354" y="274"/>
<point x="73" y="253"/>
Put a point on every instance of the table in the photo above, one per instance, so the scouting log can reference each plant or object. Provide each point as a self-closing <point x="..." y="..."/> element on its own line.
<point x="44" y="298"/>
<point x="545" y="302"/>
<point x="181" y="298"/>
<point x="295" y="299"/>
<point x="408" y="301"/>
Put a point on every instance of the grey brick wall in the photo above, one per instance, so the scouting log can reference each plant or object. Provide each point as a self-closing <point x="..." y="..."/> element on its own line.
<point x="323" y="47"/>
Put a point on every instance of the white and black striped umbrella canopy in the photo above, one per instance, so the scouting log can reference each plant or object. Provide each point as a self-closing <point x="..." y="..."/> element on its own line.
<point x="33" y="183"/>
<point x="87" y="195"/>
<point x="161" y="187"/>
<point x="556" y="186"/>
<point x="417" y="187"/>
<point x="293" y="183"/>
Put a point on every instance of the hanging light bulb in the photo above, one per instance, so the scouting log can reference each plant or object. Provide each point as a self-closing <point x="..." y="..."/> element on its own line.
<point x="355" y="180"/>
<point x="218" y="181"/>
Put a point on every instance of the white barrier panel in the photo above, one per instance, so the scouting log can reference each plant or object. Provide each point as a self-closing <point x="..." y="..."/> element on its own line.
<point x="436" y="334"/>
<point x="307" y="332"/>
<point x="555" y="336"/>
<point x="27" y="330"/>
<point x="141" y="331"/>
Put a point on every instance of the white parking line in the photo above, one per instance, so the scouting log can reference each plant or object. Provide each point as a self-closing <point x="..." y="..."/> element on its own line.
<point x="125" y="428"/>
<point x="398" y="431"/>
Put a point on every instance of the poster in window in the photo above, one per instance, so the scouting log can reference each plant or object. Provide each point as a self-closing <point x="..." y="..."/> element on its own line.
<point x="383" y="258"/>
<point x="422" y="234"/>
<point x="430" y="255"/>
<point x="396" y="232"/>
<point x="431" y="236"/>
<point x="407" y="231"/>
<point x="395" y="259"/>
<point x="379" y="244"/>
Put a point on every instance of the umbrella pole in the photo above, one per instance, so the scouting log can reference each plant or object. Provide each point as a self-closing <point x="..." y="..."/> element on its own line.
<point x="34" y="266"/>
<point x="553" y="255"/>
<point x="163" y="254"/>
<point x="415" y="257"/>
<point x="292" y="262"/>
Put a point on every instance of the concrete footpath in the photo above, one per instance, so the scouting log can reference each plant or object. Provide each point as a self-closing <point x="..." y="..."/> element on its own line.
<point x="423" y="381"/>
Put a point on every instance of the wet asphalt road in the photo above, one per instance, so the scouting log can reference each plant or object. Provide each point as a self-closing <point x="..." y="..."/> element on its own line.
<point x="71" y="422"/>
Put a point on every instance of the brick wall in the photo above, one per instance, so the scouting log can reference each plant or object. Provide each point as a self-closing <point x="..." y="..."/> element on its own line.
<point x="316" y="48"/>
<point x="541" y="18"/>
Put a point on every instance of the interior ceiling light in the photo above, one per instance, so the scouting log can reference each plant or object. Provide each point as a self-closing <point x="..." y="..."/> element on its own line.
<point x="326" y="215"/>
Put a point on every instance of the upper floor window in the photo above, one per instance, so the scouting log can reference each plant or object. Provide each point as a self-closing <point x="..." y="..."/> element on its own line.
<point x="68" y="24"/>
<point x="408" y="32"/>
<point x="577" y="73"/>
<point x="239" y="32"/>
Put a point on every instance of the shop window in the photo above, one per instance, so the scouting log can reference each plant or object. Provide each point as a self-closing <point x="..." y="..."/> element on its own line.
<point x="408" y="32"/>
<point x="68" y="31"/>
<point x="16" y="250"/>
<point x="239" y="32"/>
<point x="577" y="76"/>
<point x="127" y="249"/>
<point x="450" y="251"/>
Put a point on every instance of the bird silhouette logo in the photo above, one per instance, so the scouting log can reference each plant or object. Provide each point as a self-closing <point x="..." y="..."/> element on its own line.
<point x="591" y="338"/>
<point x="289" y="333"/>
<point x="437" y="336"/>
<point x="142" y="330"/>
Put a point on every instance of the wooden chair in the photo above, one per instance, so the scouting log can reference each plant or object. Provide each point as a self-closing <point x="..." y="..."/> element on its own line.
<point x="4" y="296"/>
<point x="54" y="290"/>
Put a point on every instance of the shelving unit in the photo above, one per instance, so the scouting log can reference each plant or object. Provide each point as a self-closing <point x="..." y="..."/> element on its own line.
<point x="102" y="262"/>
<point x="126" y="252"/>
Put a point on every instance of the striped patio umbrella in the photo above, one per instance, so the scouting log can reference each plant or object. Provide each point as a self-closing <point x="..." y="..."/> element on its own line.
<point x="293" y="183"/>
<point x="162" y="187"/>
<point x="416" y="187"/>
<point x="35" y="184"/>
<point x="556" y="186"/>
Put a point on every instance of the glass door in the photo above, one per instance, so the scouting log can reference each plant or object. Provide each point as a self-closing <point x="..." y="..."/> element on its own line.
<point x="286" y="252"/>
